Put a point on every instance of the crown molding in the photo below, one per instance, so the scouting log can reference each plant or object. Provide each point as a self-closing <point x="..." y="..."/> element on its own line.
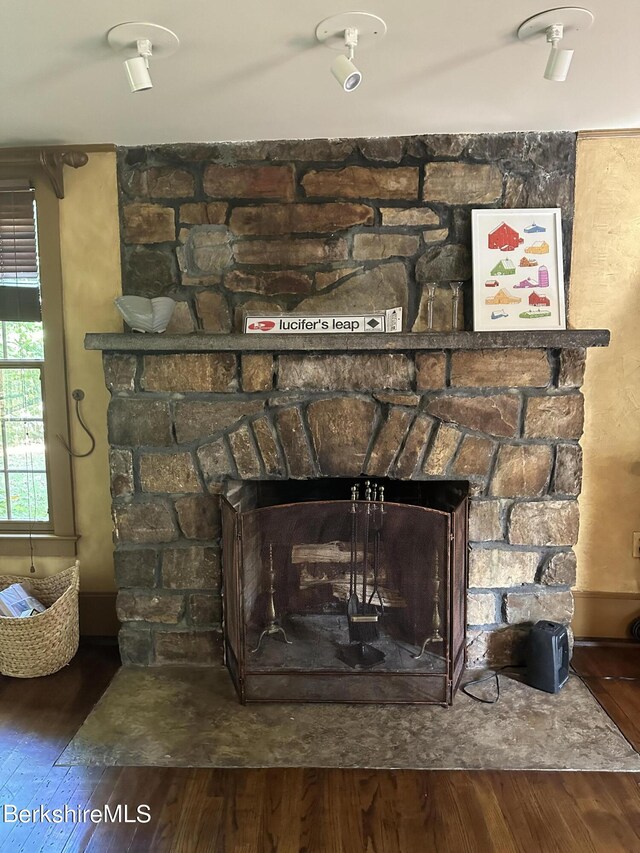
<point x="622" y="133"/>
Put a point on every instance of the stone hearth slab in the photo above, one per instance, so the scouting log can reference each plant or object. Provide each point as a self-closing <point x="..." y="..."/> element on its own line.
<point x="188" y="717"/>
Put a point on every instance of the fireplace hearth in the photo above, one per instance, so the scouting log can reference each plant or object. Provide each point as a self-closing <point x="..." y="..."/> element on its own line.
<point x="345" y="591"/>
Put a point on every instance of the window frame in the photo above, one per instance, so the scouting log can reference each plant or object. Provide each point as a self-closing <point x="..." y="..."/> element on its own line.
<point x="57" y="537"/>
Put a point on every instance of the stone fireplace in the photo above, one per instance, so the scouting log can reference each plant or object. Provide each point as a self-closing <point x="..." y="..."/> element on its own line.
<point x="322" y="226"/>
<point x="501" y="413"/>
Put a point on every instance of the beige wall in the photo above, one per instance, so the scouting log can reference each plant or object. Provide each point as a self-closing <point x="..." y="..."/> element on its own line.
<point x="605" y="293"/>
<point x="90" y="251"/>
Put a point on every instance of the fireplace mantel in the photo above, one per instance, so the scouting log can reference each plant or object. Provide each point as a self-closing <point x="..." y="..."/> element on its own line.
<point x="368" y="342"/>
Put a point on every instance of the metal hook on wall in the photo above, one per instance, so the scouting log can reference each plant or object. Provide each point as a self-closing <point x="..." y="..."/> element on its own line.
<point x="78" y="395"/>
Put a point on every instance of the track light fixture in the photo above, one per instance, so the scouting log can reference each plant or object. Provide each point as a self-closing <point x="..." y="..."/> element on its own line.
<point x="141" y="40"/>
<point x="559" y="60"/>
<point x="554" y="25"/>
<point x="348" y="31"/>
<point x="342" y="66"/>
<point x="137" y="68"/>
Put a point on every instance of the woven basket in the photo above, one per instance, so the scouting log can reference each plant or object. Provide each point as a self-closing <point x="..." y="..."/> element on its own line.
<point x="44" y="643"/>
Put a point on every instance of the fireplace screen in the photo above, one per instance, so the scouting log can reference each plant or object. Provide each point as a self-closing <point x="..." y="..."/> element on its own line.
<point x="359" y="599"/>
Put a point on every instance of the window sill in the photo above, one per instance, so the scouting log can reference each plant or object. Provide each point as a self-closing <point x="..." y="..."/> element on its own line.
<point x="44" y="545"/>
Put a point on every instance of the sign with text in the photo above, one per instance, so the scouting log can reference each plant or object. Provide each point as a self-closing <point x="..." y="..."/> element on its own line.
<point x="314" y="324"/>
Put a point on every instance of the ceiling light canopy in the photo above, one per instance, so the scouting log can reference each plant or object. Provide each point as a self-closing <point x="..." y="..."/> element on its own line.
<point x="554" y="25"/>
<point x="345" y="32"/>
<point x="141" y="41"/>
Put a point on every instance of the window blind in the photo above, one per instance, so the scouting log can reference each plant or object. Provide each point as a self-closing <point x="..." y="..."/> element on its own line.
<point x="19" y="276"/>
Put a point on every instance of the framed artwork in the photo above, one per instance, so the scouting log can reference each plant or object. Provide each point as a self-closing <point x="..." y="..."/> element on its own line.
<point x="518" y="280"/>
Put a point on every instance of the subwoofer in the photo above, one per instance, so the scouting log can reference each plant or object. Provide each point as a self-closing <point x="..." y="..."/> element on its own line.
<point x="547" y="656"/>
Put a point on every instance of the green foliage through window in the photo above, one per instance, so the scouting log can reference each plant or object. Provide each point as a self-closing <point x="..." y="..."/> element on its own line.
<point x="23" y="473"/>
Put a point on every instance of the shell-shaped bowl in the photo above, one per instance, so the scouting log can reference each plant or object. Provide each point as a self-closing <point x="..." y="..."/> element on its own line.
<point x="146" y="315"/>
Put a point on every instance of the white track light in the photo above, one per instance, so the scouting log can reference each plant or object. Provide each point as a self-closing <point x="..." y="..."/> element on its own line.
<point x="137" y="73"/>
<point x="141" y="41"/>
<point x="555" y="25"/>
<point x="345" y="32"/>
<point x="137" y="68"/>
<point x="558" y="65"/>
<point x="343" y="68"/>
<point x="559" y="60"/>
<point x="346" y="73"/>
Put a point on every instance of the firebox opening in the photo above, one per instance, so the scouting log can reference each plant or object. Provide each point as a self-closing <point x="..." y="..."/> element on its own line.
<point x="437" y="494"/>
<point x="345" y="590"/>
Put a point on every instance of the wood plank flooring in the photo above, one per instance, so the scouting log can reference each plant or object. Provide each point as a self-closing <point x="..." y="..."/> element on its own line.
<point x="612" y="673"/>
<point x="315" y="811"/>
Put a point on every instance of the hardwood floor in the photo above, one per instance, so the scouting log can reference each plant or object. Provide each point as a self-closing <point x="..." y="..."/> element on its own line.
<point x="612" y="673"/>
<point x="316" y="811"/>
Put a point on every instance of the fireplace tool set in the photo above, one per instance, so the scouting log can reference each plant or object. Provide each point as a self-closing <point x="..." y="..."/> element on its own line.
<point x="362" y="614"/>
<point x="345" y="590"/>
<point x="364" y="601"/>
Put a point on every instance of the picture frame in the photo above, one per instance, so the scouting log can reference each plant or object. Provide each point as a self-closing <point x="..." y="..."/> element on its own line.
<point x="518" y="276"/>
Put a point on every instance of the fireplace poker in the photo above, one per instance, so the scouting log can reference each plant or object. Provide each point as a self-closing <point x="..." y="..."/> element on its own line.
<point x="376" y="548"/>
<point x="365" y="550"/>
<point x="363" y="624"/>
<point x="352" y="602"/>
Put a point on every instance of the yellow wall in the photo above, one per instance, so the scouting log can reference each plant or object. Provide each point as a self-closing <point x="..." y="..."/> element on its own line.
<point x="605" y="293"/>
<point x="90" y="251"/>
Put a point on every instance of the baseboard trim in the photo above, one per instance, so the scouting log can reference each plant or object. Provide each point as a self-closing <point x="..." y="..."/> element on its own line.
<point x="97" y="612"/>
<point x="601" y="614"/>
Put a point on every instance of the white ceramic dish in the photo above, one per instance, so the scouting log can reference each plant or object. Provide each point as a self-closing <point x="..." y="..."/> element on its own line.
<point x="146" y="315"/>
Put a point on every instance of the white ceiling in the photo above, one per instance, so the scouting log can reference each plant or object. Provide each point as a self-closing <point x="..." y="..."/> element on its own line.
<point x="252" y="69"/>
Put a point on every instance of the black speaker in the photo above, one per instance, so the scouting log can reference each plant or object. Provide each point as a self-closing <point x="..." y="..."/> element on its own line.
<point x="547" y="656"/>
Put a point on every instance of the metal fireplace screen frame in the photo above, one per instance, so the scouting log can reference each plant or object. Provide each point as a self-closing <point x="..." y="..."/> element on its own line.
<point x="344" y="601"/>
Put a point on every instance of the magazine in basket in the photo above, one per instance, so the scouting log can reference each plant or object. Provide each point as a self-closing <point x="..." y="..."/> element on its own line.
<point x="16" y="601"/>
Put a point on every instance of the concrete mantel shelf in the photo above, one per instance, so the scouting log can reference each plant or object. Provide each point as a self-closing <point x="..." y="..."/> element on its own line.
<point x="374" y="342"/>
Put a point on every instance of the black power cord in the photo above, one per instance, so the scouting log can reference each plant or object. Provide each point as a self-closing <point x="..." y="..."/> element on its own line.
<point x="78" y="396"/>
<point x="489" y="677"/>
<point x="495" y="674"/>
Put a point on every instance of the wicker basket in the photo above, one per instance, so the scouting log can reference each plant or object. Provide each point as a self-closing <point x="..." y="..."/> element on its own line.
<point x="44" y="643"/>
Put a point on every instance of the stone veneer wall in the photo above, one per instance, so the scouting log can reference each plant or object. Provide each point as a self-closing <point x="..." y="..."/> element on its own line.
<point x="325" y="225"/>
<point x="508" y="421"/>
<point x="331" y="225"/>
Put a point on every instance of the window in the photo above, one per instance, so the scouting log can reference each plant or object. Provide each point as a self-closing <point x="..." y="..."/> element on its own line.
<point x="23" y="470"/>
<point x="36" y="507"/>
